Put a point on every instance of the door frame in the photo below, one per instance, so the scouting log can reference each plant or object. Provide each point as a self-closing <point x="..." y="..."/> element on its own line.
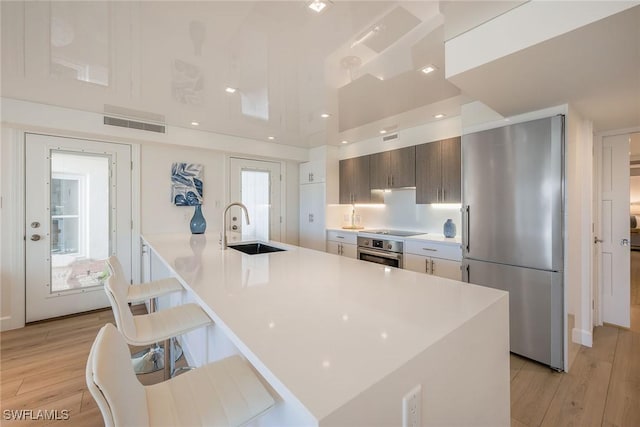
<point x="597" y="306"/>
<point x="13" y="212"/>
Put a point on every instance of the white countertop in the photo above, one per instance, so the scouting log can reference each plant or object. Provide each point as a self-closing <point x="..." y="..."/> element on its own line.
<point x="320" y="328"/>
<point x="427" y="237"/>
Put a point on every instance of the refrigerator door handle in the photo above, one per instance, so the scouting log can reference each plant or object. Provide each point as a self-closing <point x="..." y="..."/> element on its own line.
<point x="467" y="228"/>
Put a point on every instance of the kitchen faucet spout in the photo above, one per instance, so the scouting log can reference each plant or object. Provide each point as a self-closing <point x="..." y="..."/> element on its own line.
<point x="223" y="240"/>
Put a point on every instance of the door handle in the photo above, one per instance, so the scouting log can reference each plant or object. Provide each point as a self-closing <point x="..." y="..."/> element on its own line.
<point x="596" y="240"/>
<point x="35" y="237"/>
<point x="624" y="242"/>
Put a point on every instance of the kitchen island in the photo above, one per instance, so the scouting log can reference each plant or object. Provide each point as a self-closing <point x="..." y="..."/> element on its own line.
<point x="342" y="341"/>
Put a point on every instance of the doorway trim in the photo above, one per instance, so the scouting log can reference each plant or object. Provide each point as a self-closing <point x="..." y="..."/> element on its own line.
<point x="597" y="306"/>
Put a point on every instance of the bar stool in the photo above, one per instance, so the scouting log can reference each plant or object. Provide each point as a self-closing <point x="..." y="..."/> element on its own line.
<point x="223" y="393"/>
<point x="152" y="358"/>
<point x="147" y="329"/>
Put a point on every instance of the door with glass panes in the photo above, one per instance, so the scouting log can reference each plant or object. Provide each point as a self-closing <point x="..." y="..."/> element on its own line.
<point x="78" y="213"/>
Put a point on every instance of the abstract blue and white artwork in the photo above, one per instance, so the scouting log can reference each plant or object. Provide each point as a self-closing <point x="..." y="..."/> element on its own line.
<point x="186" y="184"/>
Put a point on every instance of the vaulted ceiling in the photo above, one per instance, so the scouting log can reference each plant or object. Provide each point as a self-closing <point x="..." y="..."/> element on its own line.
<point x="358" y="62"/>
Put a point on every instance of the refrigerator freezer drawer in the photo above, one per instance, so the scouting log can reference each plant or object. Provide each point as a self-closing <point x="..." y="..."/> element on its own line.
<point x="536" y="326"/>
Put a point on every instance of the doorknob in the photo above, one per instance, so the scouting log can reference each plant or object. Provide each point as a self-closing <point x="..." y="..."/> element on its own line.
<point x="35" y="237"/>
<point x="624" y="242"/>
<point x="596" y="240"/>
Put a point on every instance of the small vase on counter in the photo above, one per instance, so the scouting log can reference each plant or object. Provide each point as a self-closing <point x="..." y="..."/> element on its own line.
<point x="198" y="223"/>
<point x="449" y="229"/>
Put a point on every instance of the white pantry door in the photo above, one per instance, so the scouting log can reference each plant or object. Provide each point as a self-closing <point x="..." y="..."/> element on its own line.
<point x="78" y="212"/>
<point x="615" y="247"/>
<point x="256" y="184"/>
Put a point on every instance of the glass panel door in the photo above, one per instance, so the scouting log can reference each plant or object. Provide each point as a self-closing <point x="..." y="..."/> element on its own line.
<point x="256" y="197"/>
<point x="80" y="209"/>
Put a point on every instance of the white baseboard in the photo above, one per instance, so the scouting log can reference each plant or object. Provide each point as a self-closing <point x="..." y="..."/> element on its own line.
<point x="9" y="322"/>
<point x="580" y="336"/>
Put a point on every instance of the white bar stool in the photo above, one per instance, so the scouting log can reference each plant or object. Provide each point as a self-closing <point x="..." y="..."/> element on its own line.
<point x="150" y="328"/>
<point x="223" y="393"/>
<point x="152" y="358"/>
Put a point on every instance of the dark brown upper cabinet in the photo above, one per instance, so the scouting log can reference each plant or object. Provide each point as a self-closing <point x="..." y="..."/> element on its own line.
<point x="354" y="182"/>
<point x="393" y="169"/>
<point x="438" y="167"/>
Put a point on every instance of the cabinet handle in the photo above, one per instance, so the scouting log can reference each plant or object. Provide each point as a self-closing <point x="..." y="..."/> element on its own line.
<point x="443" y="196"/>
<point x="310" y="177"/>
<point x="466" y="235"/>
<point x="340" y="237"/>
<point x="437" y="194"/>
<point x="340" y="248"/>
<point x="433" y="270"/>
<point x="429" y="249"/>
<point x="388" y="181"/>
<point x="392" y="180"/>
<point x="426" y="265"/>
<point x="310" y="217"/>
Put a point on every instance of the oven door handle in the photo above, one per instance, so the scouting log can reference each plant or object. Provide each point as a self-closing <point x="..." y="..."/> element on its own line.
<point x="380" y="253"/>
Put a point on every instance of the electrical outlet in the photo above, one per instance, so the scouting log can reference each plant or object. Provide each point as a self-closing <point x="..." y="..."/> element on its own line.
<point x="411" y="407"/>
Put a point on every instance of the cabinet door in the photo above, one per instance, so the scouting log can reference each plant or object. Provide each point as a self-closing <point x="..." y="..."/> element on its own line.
<point x="402" y="167"/>
<point x="362" y="190"/>
<point x="416" y="263"/>
<point x="333" y="247"/>
<point x="451" y="167"/>
<point x="379" y="174"/>
<point x="305" y="172"/>
<point x="446" y="268"/>
<point x="428" y="173"/>
<point x="346" y="181"/>
<point x="349" y="250"/>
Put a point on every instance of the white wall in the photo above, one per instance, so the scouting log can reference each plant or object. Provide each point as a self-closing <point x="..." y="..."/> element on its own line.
<point x="156" y="155"/>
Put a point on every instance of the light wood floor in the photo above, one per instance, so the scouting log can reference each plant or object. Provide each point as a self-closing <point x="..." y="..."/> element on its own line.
<point x="42" y="367"/>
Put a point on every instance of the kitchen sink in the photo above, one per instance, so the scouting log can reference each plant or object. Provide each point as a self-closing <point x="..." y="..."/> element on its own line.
<point x="255" y="248"/>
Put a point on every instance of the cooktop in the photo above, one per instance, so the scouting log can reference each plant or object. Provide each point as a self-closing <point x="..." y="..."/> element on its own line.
<point x="398" y="233"/>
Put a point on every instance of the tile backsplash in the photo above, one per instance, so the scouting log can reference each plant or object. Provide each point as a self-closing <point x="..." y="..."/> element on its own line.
<point x="399" y="211"/>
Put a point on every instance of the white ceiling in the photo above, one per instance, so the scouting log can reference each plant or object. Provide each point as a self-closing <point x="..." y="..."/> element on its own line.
<point x="358" y="61"/>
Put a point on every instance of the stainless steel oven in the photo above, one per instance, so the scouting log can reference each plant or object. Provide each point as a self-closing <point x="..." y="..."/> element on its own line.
<point x="380" y="251"/>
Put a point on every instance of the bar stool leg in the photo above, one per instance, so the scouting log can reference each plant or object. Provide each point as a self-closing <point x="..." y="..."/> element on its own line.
<point x="153" y="358"/>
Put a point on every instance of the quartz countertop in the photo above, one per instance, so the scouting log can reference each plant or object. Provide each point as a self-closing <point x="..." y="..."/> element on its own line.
<point x="320" y="328"/>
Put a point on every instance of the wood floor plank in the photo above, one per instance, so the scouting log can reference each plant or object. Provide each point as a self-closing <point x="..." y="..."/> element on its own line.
<point x="532" y="391"/>
<point x="515" y="364"/>
<point x="580" y="399"/>
<point x="623" y="401"/>
<point x="51" y="379"/>
<point x="10" y="388"/>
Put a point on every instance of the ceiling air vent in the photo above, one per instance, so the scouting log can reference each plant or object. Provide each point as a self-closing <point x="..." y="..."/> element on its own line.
<point x="391" y="137"/>
<point x="133" y="119"/>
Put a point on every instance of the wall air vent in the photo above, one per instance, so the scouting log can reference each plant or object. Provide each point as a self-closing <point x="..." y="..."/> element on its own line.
<point x="134" y="119"/>
<point x="392" y="137"/>
<point x="125" y="123"/>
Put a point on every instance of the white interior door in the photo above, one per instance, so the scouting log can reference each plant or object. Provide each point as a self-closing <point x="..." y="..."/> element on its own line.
<point x="614" y="263"/>
<point x="256" y="184"/>
<point x="77" y="212"/>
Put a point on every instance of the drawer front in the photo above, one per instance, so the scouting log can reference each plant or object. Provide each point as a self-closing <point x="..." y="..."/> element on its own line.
<point x="338" y="236"/>
<point x="433" y="249"/>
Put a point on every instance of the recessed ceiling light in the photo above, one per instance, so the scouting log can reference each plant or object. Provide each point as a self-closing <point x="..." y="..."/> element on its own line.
<point x="325" y="115"/>
<point x="439" y="116"/>
<point x="230" y="90"/>
<point x="271" y="137"/>
<point x="318" y="5"/>
<point x="429" y="69"/>
<point x="195" y="124"/>
<point x="382" y="132"/>
<point x="345" y="142"/>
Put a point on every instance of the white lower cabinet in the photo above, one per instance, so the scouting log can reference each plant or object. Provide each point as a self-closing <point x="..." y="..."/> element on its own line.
<point x="342" y="243"/>
<point x="436" y="266"/>
<point x="442" y="260"/>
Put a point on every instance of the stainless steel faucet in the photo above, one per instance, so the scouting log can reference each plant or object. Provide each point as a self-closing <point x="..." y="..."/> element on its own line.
<point x="224" y="221"/>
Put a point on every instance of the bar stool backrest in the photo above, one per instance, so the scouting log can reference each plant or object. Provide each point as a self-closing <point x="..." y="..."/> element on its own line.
<point x="117" y="289"/>
<point x="113" y="384"/>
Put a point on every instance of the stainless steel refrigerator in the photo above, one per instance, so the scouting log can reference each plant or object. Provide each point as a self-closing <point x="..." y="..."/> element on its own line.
<point x="513" y="202"/>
